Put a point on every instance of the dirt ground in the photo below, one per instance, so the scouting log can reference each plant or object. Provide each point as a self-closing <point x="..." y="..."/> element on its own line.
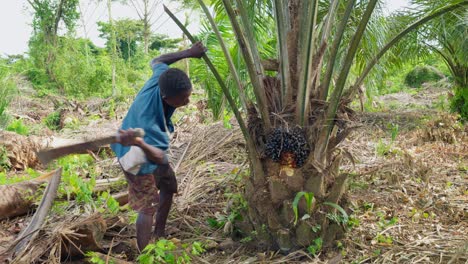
<point x="408" y="188"/>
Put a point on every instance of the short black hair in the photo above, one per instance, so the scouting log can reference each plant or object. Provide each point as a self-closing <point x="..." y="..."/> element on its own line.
<point x="173" y="82"/>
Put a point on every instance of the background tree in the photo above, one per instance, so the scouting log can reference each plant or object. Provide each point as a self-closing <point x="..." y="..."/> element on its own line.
<point x="47" y="16"/>
<point x="145" y="10"/>
<point x="297" y="118"/>
<point x="445" y="37"/>
<point x="127" y="33"/>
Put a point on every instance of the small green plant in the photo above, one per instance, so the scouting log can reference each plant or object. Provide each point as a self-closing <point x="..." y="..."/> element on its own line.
<point x="316" y="247"/>
<point x="165" y="251"/>
<point x="384" y="239"/>
<point x="109" y="203"/>
<point x="216" y="223"/>
<point x="72" y="183"/>
<point x="342" y="218"/>
<point x="394" y="128"/>
<point x="94" y="258"/>
<point x="382" y="148"/>
<point x="309" y="197"/>
<point x="18" y="127"/>
<point x="246" y="239"/>
<point x="132" y="216"/>
<point x="383" y="223"/>
<point x="197" y="248"/>
<point x="52" y="121"/>
<point x="368" y="206"/>
<point x="226" y="119"/>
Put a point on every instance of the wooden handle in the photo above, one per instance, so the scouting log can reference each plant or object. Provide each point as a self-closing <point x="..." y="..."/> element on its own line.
<point x="45" y="156"/>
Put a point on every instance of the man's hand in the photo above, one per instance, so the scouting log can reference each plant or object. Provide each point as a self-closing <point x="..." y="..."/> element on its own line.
<point x="128" y="137"/>
<point x="197" y="50"/>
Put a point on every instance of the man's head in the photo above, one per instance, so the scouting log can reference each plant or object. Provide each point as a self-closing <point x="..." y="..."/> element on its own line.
<point x="175" y="87"/>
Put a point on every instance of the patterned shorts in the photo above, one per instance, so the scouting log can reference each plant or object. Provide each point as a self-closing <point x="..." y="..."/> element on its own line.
<point x="143" y="195"/>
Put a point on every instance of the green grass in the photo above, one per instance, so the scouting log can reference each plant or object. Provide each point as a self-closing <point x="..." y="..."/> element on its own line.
<point x="18" y="127"/>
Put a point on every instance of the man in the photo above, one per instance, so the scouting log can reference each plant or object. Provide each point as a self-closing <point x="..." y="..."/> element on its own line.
<point x="144" y="160"/>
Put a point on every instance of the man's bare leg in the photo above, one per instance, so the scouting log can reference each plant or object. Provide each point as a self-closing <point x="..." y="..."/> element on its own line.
<point x="165" y="202"/>
<point x="144" y="225"/>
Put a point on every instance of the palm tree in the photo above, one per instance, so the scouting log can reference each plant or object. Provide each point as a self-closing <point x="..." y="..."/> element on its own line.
<point x="445" y="36"/>
<point x="297" y="118"/>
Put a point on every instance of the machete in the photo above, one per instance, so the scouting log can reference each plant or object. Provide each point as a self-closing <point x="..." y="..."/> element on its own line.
<point x="47" y="155"/>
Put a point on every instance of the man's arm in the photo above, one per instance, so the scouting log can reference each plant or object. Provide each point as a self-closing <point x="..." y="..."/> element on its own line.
<point x="196" y="51"/>
<point x="153" y="154"/>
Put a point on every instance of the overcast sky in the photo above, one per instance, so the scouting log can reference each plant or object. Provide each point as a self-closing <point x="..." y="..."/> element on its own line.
<point x="15" y="21"/>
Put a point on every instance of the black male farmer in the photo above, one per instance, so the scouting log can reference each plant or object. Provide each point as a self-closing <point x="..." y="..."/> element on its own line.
<point x="144" y="160"/>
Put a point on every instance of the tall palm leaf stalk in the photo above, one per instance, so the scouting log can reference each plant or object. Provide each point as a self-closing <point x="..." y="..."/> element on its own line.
<point x="297" y="119"/>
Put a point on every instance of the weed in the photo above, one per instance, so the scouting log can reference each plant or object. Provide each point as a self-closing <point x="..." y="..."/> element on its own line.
<point x="315" y="248"/>
<point x="94" y="258"/>
<point x="52" y="121"/>
<point x="197" y="249"/>
<point x="109" y="204"/>
<point x="394" y="128"/>
<point x="382" y="148"/>
<point x="309" y="197"/>
<point x="341" y="218"/>
<point x="4" y="160"/>
<point x="384" y="239"/>
<point x="72" y="183"/>
<point x="18" y="127"/>
<point x="165" y="251"/>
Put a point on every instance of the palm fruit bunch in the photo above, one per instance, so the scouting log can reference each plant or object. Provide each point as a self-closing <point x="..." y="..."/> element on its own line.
<point x="288" y="147"/>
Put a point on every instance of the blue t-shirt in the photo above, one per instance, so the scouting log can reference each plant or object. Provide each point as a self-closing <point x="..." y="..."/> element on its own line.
<point x="147" y="112"/>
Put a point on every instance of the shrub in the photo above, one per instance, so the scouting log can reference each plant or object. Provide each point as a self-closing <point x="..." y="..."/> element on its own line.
<point x="459" y="103"/>
<point x="422" y="74"/>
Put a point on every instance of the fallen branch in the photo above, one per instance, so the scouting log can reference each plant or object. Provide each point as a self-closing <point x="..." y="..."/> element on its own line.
<point x="30" y="232"/>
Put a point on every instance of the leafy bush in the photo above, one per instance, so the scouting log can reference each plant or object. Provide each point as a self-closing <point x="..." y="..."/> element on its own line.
<point x="459" y="103"/>
<point x="52" y="121"/>
<point x="422" y="74"/>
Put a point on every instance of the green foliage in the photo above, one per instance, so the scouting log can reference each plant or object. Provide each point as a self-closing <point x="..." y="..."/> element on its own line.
<point x="394" y="129"/>
<point x="18" y="127"/>
<point x="127" y="33"/>
<point x="384" y="239"/>
<point x="422" y="74"/>
<point x="309" y="197"/>
<point x="342" y="218"/>
<point x="94" y="258"/>
<point x="4" y="160"/>
<point x="109" y="204"/>
<point x="31" y="174"/>
<point x="7" y="88"/>
<point x="163" y="43"/>
<point x="197" y="248"/>
<point x="72" y="183"/>
<point x="459" y="102"/>
<point x="165" y="251"/>
<point x="316" y="247"/>
<point x="52" y="120"/>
